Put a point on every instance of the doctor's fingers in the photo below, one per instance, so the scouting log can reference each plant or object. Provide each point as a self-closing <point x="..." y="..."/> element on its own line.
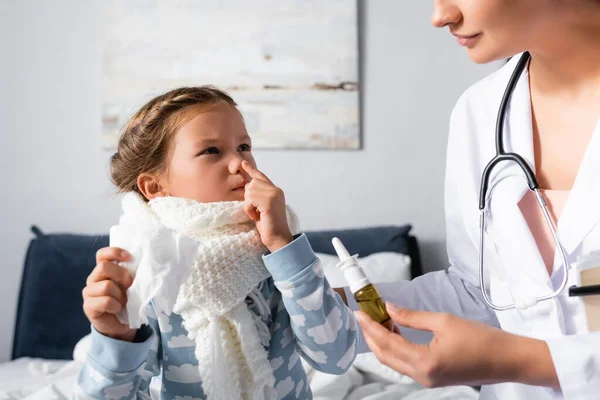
<point x="114" y="254"/>
<point x="421" y="320"/>
<point x="389" y="347"/>
<point x="105" y="288"/>
<point x="389" y="357"/>
<point x="107" y="270"/>
<point x="407" y="358"/>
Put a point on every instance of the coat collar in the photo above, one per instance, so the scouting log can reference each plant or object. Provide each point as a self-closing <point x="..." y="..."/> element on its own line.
<point x="582" y="211"/>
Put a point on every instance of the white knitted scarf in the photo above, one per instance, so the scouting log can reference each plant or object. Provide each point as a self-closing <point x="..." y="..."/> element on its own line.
<point x="202" y="260"/>
<point x="230" y="339"/>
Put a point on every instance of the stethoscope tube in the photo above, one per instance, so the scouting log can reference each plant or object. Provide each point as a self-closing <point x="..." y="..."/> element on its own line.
<point x="501" y="156"/>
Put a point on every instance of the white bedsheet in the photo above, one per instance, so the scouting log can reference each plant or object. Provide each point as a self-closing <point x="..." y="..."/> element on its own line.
<point x="368" y="379"/>
<point x="36" y="379"/>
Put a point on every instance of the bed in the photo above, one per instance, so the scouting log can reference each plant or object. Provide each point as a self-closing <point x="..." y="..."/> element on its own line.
<point x="48" y="348"/>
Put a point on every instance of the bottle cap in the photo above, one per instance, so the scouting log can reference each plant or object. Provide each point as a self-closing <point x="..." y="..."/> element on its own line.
<point x="356" y="277"/>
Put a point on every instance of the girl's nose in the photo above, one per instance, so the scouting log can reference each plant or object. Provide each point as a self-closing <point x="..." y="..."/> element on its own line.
<point x="235" y="164"/>
<point x="445" y="13"/>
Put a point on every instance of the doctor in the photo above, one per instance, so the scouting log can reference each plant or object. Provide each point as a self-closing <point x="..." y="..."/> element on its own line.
<point x="538" y="349"/>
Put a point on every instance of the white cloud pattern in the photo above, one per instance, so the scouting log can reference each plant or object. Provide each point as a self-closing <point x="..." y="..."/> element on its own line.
<point x="287" y="337"/>
<point x="275" y="327"/>
<point x="144" y="373"/>
<point x="317" y="356"/>
<point x="293" y="360"/>
<point x="298" y="320"/>
<point x="318" y="269"/>
<point x="118" y="392"/>
<point x="284" y="387"/>
<point x="347" y="358"/>
<point x="187" y="373"/>
<point x="299" y="388"/>
<point x="313" y="301"/>
<point x="328" y="332"/>
<point x="276" y="363"/>
<point x="286" y="288"/>
<point x="351" y="323"/>
<point x="180" y="341"/>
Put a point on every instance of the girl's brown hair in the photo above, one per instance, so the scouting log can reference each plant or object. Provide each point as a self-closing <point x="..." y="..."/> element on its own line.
<point x="145" y="140"/>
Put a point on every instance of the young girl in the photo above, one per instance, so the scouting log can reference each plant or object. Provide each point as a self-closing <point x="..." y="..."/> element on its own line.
<point x="195" y="201"/>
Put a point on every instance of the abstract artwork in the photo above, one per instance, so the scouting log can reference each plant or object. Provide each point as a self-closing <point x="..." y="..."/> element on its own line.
<point x="291" y="65"/>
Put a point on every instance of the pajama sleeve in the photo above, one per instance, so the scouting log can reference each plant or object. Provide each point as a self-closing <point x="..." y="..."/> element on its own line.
<point x="324" y="329"/>
<point x="118" y="369"/>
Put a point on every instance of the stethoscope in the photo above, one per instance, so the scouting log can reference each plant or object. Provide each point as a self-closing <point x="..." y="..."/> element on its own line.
<point x="502" y="155"/>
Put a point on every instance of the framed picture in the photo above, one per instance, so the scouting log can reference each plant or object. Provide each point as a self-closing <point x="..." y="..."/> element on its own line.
<point x="292" y="66"/>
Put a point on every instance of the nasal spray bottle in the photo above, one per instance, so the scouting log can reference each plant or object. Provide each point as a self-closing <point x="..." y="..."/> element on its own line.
<point x="366" y="295"/>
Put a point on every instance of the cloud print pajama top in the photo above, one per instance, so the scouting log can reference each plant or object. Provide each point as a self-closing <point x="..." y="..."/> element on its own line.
<point x="308" y="319"/>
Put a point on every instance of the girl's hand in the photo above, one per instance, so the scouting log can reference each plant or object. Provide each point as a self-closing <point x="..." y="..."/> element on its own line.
<point x="265" y="204"/>
<point x="105" y="294"/>
<point x="461" y="351"/>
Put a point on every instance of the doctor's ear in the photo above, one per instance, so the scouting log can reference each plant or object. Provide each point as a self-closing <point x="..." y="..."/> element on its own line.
<point x="150" y="187"/>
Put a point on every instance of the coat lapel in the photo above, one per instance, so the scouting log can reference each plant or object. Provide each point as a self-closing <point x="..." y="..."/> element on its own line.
<point x="582" y="210"/>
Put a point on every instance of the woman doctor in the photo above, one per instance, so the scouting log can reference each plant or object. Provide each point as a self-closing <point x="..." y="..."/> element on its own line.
<point x="534" y="349"/>
<point x="538" y="349"/>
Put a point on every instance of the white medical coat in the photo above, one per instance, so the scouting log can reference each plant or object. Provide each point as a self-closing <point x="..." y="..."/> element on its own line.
<point x="513" y="264"/>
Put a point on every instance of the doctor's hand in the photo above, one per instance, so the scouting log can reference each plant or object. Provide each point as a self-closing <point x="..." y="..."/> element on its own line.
<point x="265" y="204"/>
<point x="461" y="351"/>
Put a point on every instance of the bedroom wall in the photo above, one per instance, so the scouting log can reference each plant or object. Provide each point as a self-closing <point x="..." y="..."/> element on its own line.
<point x="54" y="173"/>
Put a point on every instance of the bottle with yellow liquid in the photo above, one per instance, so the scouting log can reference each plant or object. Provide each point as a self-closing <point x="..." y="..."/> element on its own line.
<point x="366" y="295"/>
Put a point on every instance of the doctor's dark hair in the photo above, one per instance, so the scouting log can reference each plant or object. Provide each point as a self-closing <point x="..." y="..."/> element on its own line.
<point x="145" y="142"/>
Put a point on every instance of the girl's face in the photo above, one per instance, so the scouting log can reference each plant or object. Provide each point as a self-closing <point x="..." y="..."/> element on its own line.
<point x="206" y="157"/>
<point x="496" y="29"/>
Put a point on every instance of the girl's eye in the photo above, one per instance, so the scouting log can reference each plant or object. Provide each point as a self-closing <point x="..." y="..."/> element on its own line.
<point x="244" y="147"/>
<point x="210" y="150"/>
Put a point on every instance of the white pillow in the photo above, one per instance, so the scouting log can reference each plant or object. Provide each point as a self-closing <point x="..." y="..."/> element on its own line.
<point x="379" y="267"/>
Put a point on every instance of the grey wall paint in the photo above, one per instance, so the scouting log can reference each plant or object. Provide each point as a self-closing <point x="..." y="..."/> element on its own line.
<point x="54" y="173"/>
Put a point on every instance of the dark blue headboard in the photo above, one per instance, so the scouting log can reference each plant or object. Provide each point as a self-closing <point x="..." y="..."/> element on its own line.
<point x="50" y="319"/>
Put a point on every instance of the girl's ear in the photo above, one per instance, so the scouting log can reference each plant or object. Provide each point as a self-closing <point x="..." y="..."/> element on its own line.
<point x="150" y="186"/>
